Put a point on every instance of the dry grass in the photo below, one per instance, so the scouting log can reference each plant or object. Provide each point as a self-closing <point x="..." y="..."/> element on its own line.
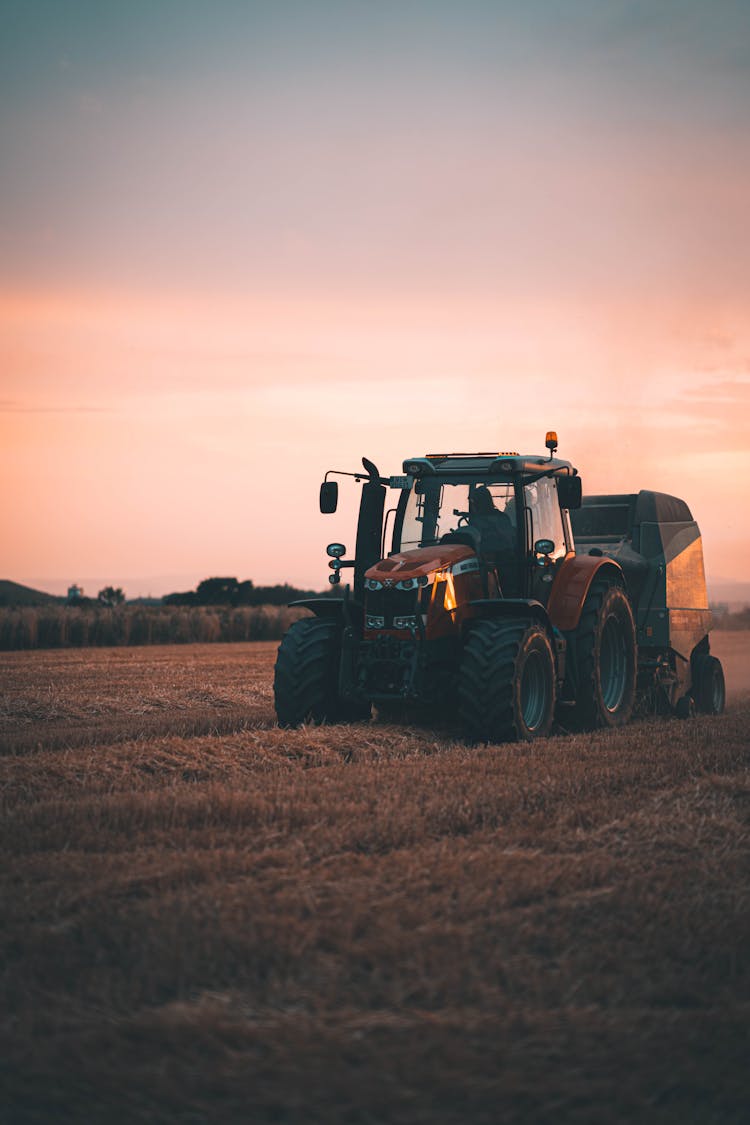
<point x="56" y="699"/>
<point x="62" y="626"/>
<point x="366" y="923"/>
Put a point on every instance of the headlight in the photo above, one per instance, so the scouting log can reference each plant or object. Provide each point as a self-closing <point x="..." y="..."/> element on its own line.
<point x="412" y="583"/>
<point x="374" y="622"/>
<point x="404" y="622"/>
<point x="373" y="584"/>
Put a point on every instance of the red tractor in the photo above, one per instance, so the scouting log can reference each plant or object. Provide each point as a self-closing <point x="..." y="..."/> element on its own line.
<point x="507" y="600"/>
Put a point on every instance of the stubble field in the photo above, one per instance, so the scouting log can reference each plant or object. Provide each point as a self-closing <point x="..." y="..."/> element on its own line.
<point x="206" y="918"/>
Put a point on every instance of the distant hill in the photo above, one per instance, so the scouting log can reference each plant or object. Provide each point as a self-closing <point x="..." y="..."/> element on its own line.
<point x="13" y="593"/>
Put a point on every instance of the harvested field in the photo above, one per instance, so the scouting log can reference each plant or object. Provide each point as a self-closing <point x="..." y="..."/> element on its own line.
<point x="206" y="918"/>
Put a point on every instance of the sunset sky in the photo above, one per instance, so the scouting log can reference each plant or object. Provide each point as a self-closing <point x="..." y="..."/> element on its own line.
<point x="242" y="243"/>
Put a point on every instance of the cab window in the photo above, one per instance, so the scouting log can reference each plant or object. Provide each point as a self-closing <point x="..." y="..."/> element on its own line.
<point x="543" y="512"/>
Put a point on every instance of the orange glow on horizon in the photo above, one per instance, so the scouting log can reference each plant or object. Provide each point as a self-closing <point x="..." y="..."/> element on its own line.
<point x="147" y="437"/>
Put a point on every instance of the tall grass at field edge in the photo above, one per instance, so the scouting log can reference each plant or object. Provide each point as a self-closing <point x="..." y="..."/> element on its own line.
<point x="66" y="626"/>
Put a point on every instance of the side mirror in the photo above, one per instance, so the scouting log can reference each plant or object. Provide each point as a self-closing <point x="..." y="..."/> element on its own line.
<point x="329" y="497"/>
<point x="543" y="548"/>
<point x="570" y="492"/>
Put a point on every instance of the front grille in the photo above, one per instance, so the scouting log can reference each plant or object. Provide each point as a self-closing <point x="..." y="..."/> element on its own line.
<point x="390" y="604"/>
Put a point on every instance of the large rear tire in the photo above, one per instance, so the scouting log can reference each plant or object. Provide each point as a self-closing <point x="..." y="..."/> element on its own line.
<point x="506" y="690"/>
<point x="709" y="691"/>
<point x="605" y="658"/>
<point x="305" y="684"/>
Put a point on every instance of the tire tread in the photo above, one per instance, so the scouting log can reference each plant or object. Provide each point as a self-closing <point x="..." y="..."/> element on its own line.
<point x="486" y="690"/>
<point x="305" y="673"/>
<point x="588" y="710"/>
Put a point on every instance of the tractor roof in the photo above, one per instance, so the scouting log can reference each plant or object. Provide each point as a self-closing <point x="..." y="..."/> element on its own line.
<point x="489" y="463"/>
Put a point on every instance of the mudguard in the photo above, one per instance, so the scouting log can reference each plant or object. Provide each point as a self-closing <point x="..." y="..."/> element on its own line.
<point x="509" y="607"/>
<point x="334" y="609"/>
<point x="572" y="583"/>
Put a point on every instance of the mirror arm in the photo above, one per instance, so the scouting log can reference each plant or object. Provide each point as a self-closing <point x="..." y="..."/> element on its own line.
<point x="357" y="476"/>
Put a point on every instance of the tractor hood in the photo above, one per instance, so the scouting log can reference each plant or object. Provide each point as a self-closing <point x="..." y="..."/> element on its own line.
<point x="421" y="562"/>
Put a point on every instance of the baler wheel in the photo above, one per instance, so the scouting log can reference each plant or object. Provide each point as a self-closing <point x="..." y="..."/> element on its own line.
<point x="709" y="690"/>
<point x="685" y="707"/>
<point x="506" y="687"/>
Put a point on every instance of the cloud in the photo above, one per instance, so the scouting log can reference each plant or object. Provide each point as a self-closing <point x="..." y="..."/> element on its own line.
<point x="719" y="413"/>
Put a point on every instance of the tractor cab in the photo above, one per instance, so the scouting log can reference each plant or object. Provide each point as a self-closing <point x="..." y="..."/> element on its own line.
<point x="509" y="511"/>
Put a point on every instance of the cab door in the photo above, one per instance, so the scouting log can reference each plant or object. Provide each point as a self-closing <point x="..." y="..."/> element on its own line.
<point x="543" y="522"/>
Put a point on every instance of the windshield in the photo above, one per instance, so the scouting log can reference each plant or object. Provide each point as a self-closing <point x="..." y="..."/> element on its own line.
<point x="435" y="507"/>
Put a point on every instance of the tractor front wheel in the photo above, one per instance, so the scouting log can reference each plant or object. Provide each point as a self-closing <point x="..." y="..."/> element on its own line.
<point x="506" y="688"/>
<point x="605" y="658"/>
<point x="306" y="675"/>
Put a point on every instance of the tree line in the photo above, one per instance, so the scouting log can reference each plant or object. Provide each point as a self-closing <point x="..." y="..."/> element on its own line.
<point x="231" y="592"/>
<point x="109" y="597"/>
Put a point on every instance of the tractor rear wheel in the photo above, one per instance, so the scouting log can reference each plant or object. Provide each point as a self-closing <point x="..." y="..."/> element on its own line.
<point x="506" y="689"/>
<point x="305" y="684"/>
<point x="604" y="658"/>
<point x="709" y="691"/>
